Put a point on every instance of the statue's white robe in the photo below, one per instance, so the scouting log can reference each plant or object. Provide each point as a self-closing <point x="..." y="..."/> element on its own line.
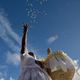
<point x="30" y="70"/>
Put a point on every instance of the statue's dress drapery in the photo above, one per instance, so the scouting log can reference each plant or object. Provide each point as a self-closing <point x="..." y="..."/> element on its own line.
<point x="61" y="66"/>
<point x="30" y="70"/>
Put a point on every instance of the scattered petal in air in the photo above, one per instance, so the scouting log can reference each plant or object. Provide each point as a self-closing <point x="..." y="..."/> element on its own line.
<point x="26" y="0"/>
<point x="35" y="9"/>
<point x="41" y="2"/>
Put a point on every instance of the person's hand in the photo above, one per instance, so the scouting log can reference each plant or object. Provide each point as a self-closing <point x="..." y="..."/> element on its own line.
<point x="25" y="27"/>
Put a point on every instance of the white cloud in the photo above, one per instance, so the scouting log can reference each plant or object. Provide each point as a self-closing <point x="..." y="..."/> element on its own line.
<point x="2" y="66"/>
<point x="2" y="76"/>
<point x="11" y="38"/>
<point x="76" y="64"/>
<point x="13" y="58"/>
<point x="4" y="73"/>
<point x="2" y="79"/>
<point x="7" y="34"/>
<point x="52" y="39"/>
<point x="77" y="73"/>
<point x="12" y="78"/>
<point x="5" y="79"/>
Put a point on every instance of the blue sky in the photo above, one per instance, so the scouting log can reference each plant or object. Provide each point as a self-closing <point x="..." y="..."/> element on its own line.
<point x="53" y="23"/>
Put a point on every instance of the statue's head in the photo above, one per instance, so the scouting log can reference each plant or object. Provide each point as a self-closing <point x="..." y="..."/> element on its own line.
<point x="49" y="51"/>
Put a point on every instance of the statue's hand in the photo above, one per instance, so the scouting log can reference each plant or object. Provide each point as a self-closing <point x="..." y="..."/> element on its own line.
<point x="25" y="27"/>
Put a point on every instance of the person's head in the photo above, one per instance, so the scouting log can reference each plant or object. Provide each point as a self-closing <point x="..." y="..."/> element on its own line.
<point x="31" y="54"/>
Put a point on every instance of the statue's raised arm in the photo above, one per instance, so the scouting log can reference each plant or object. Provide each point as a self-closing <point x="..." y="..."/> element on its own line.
<point x="23" y="42"/>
